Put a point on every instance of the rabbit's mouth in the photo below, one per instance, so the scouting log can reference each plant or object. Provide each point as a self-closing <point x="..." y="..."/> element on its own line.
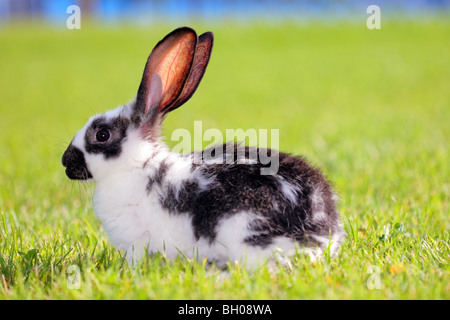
<point x="75" y="164"/>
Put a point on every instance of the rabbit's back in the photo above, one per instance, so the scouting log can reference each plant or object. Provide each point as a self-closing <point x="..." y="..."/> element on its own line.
<point x="296" y="202"/>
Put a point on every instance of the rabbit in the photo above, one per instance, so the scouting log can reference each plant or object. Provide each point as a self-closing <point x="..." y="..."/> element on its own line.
<point x="150" y="199"/>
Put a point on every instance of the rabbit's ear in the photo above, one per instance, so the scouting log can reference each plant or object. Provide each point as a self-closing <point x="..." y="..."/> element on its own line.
<point x="201" y="59"/>
<point x="166" y="71"/>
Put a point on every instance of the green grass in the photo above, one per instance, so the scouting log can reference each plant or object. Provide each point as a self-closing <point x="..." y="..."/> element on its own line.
<point x="369" y="107"/>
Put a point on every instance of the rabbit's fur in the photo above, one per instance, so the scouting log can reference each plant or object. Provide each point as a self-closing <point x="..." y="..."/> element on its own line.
<point x="151" y="199"/>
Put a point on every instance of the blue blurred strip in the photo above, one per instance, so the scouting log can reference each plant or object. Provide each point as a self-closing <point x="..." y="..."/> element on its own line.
<point x="148" y="11"/>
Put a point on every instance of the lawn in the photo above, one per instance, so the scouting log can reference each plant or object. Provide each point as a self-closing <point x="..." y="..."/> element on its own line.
<point x="371" y="108"/>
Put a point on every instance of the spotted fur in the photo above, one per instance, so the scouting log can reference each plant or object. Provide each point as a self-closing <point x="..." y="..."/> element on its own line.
<point x="151" y="199"/>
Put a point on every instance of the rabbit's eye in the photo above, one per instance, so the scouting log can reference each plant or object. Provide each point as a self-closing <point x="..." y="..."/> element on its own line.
<point x="102" y="135"/>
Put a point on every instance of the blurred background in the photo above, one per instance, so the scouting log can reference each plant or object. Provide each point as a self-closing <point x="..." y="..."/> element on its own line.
<point x="154" y="11"/>
<point x="369" y="107"/>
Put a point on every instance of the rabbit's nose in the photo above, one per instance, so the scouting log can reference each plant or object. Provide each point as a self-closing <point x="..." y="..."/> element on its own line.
<point x="74" y="162"/>
<point x="66" y="156"/>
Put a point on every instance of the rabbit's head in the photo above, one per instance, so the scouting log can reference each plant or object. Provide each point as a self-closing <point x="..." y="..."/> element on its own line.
<point x="123" y="138"/>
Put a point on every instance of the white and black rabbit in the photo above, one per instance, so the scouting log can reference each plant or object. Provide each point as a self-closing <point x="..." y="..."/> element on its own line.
<point x="151" y="199"/>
